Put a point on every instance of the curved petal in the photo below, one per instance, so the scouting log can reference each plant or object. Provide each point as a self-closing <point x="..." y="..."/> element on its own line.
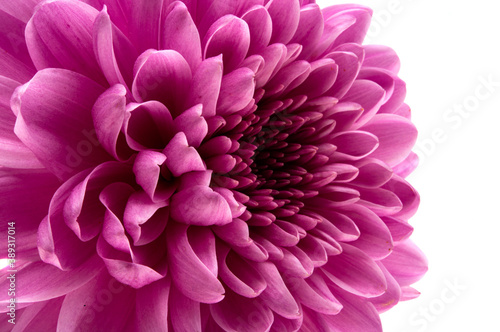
<point x="355" y="272"/>
<point x="63" y="141"/>
<point x="115" y="54"/>
<point x="407" y="264"/>
<point x="286" y="16"/>
<point x="20" y="10"/>
<point x="184" y="312"/>
<point x="236" y="91"/>
<point x="229" y="36"/>
<point x="189" y="272"/>
<point x="396" y="136"/>
<point x="108" y="114"/>
<point x="182" y="158"/>
<point x="193" y="125"/>
<point x="152" y="307"/>
<point x="164" y="76"/>
<point x="391" y="297"/>
<point x="238" y="274"/>
<point x="260" y="26"/>
<point x="206" y="85"/>
<point x="177" y="27"/>
<point x="276" y="295"/>
<point x="240" y="314"/>
<point x="59" y="35"/>
<point x="309" y="30"/>
<point x="97" y="303"/>
<point x="381" y="57"/>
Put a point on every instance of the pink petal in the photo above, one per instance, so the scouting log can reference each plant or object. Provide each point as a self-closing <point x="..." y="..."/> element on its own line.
<point x="200" y="205"/>
<point x="260" y="25"/>
<point x="193" y="124"/>
<point x="59" y="35"/>
<point x="189" y="272"/>
<point x="238" y="274"/>
<point x="276" y="295"/>
<point x="12" y="39"/>
<point x="238" y="313"/>
<point x="286" y="16"/>
<point x="235" y="233"/>
<point x="15" y="69"/>
<point x="357" y="31"/>
<point x="151" y="306"/>
<point x="348" y="68"/>
<point x="164" y="76"/>
<point x="236" y="92"/>
<point x="407" y="264"/>
<point x="63" y="141"/>
<point x="40" y="316"/>
<point x="396" y="135"/>
<point x="144" y="23"/>
<point x="400" y="229"/>
<point x="129" y="273"/>
<point x="206" y="85"/>
<point x="407" y="166"/>
<point x="24" y="198"/>
<point x="115" y="54"/>
<point x="147" y="168"/>
<point x="375" y="238"/>
<point x="184" y="312"/>
<point x="381" y="57"/>
<point x="373" y="173"/>
<point x="381" y="201"/>
<point x="391" y="297"/>
<point x="97" y="303"/>
<point x="354" y="145"/>
<point x="40" y="282"/>
<point x="13" y="153"/>
<point x="147" y="125"/>
<point x="309" y="30"/>
<point x="22" y="10"/>
<point x="182" y="158"/>
<point x="176" y="28"/>
<point x="229" y="36"/>
<point x="144" y="219"/>
<point x="108" y="114"/>
<point x="369" y="95"/>
<point x="356" y="315"/>
<point x="408" y="196"/>
<point x="355" y="272"/>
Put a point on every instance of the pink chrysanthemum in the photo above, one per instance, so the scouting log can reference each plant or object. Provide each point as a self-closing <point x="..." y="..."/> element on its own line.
<point x="202" y="165"/>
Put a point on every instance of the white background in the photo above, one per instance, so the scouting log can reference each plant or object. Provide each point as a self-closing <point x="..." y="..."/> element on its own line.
<point x="447" y="50"/>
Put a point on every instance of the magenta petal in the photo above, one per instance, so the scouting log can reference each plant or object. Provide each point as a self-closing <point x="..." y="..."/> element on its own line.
<point x="238" y="313"/>
<point x="40" y="282"/>
<point x="400" y="229"/>
<point x="83" y="309"/>
<point x="147" y="168"/>
<point x="236" y="92"/>
<point x="144" y="22"/>
<point x="407" y="166"/>
<point x="176" y="28"/>
<point x="407" y="264"/>
<point x="357" y="31"/>
<point x="260" y="25"/>
<point x="348" y="67"/>
<point x="151" y="306"/>
<point x="63" y="141"/>
<point x="369" y="95"/>
<point x="189" y="272"/>
<point x="229" y="36"/>
<point x="12" y="41"/>
<point x="129" y="273"/>
<point x="182" y="158"/>
<point x="396" y="135"/>
<point x="235" y="233"/>
<point x="114" y="52"/>
<point x="406" y="194"/>
<point x="314" y="293"/>
<point x="13" y="153"/>
<point x="391" y="297"/>
<point x="108" y="114"/>
<point x="373" y="173"/>
<point x="164" y="76"/>
<point x="206" y="84"/>
<point x="238" y="274"/>
<point x="285" y="15"/>
<point x="144" y="219"/>
<point x="309" y="30"/>
<point x="40" y="316"/>
<point x="184" y="312"/>
<point x="381" y="57"/>
<point x="276" y="295"/>
<point x="356" y="315"/>
<point x="355" y="272"/>
<point x="354" y="145"/>
<point x="193" y="125"/>
<point x="52" y="44"/>
<point x="24" y="197"/>
<point x="375" y="238"/>
<point x="22" y="10"/>
<point x="200" y="205"/>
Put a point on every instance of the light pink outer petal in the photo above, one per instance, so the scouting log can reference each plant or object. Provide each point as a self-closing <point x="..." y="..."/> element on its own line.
<point x="54" y="120"/>
<point x="98" y="303"/>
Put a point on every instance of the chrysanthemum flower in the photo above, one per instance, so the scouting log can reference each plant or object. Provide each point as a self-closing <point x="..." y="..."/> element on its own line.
<point x="202" y="165"/>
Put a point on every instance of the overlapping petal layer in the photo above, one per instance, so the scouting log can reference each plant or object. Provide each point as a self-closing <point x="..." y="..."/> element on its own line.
<point x="204" y="166"/>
